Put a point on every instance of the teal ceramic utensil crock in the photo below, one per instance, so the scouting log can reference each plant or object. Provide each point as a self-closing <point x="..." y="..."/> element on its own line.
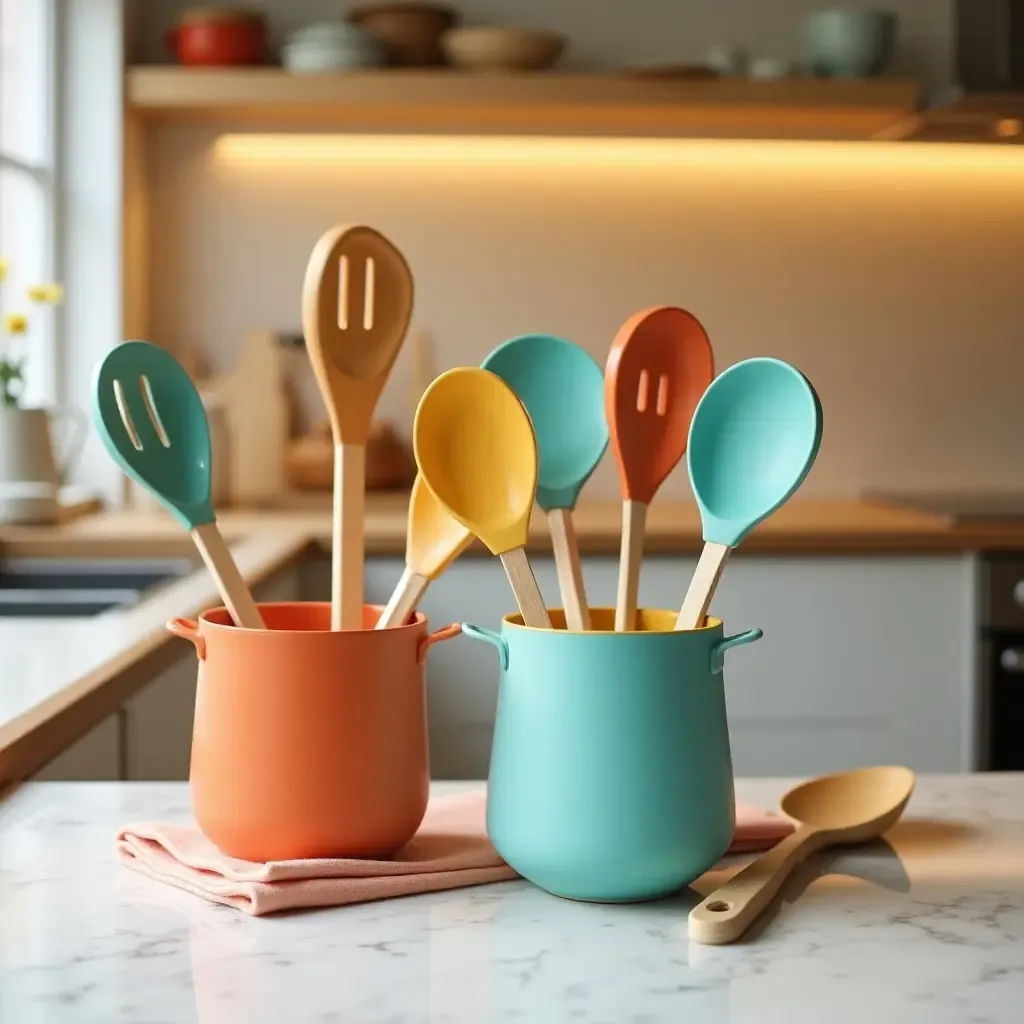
<point x="562" y="388"/>
<point x="152" y="422"/>
<point x="754" y="436"/>
<point x="611" y="773"/>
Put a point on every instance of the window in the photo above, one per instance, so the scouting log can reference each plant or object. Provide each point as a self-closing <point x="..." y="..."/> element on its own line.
<point x="28" y="178"/>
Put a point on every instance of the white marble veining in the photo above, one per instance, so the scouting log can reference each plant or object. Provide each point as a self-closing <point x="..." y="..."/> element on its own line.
<point x="925" y="928"/>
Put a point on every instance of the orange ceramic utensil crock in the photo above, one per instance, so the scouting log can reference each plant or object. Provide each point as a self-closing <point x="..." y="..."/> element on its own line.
<point x="309" y="742"/>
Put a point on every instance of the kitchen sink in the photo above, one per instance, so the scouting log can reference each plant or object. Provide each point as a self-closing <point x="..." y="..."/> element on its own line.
<point x="81" y="587"/>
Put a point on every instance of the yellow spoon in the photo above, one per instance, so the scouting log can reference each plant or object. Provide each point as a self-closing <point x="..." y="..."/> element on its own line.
<point x="477" y="453"/>
<point x="433" y="541"/>
<point x="851" y="807"/>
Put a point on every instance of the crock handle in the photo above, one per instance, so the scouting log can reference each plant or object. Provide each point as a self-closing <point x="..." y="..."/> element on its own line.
<point x="718" y="650"/>
<point x="490" y="637"/>
<point x="445" y="633"/>
<point x="188" y="629"/>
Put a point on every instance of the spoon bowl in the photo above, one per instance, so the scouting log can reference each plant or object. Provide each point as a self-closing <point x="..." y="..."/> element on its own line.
<point x="152" y="423"/>
<point x="753" y="439"/>
<point x="659" y="365"/>
<point x="433" y="541"/>
<point x="861" y="804"/>
<point x="476" y="451"/>
<point x="562" y="388"/>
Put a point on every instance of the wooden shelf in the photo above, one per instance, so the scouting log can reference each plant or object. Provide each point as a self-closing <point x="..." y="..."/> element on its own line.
<point x="528" y="103"/>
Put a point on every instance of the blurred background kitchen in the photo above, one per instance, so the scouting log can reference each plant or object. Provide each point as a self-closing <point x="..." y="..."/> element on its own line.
<point x="840" y="188"/>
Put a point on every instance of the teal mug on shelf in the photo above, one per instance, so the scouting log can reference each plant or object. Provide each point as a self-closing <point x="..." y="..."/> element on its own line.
<point x="611" y="773"/>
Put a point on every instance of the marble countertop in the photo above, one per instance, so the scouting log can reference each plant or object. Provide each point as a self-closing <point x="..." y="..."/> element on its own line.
<point x="926" y="927"/>
<point x="54" y="666"/>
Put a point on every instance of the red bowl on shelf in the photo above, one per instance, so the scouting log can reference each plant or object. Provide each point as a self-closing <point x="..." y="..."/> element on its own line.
<point x="219" y="36"/>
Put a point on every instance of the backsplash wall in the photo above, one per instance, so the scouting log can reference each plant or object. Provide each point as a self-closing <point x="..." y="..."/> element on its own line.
<point x="890" y="277"/>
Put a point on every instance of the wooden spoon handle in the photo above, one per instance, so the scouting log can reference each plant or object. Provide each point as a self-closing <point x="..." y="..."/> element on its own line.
<point x="570" y="573"/>
<point x="634" y="518"/>
<point x="730" y="910"/>
<point x="703" y="586"/>
<point x="230" y="585"/>
<point x="347" y="536"/>
<point x="404" y="599"/>
<point x="524" y="586"/>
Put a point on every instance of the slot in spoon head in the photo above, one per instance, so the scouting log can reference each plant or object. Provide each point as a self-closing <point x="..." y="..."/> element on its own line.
<point x="562" y="388"/>
<point x="151" y="420"/>
<point x="659" y="365"/>
<point x="753" y="440"/>
<point x="476" y="451"/>
<point x="356" y="304"/>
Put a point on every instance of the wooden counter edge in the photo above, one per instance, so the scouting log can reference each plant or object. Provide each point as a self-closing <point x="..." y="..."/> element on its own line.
<point x="42" y="732"/>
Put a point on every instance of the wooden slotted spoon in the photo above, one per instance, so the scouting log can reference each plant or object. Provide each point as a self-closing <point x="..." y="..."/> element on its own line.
<point x="356" y="304"/>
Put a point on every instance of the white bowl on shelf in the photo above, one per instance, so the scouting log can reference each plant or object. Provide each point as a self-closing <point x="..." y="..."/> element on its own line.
<point x="331" y="46"/>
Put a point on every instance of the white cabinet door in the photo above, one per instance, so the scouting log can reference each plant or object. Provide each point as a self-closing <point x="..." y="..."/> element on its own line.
<point x="95" y="757"/>
<point x="864" y="659"/>
<point x="160" y="715"/>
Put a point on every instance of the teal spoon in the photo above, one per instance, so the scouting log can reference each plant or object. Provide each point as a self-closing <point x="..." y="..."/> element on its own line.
<point x="562" y="388"/>
<point x="754" y="436"/>
<point x="152" y="422"/>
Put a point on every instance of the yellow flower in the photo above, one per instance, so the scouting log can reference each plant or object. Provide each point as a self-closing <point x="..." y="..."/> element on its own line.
<point x="16" y="323"/>
<point x="51" y="293"/>
<point x="3" y="268"/>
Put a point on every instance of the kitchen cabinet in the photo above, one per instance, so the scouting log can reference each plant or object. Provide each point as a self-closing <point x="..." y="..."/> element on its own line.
<point x="95" y="757"/>
<point x="159" y="733"/>
<point x="864" y="659"/>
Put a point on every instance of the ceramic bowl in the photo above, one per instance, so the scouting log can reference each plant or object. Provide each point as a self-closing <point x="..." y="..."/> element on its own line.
<point x="331" y="46"/>
<point x="481" y="48"/>
<point x="411" y="32"/>
<point x="844" y="43"/>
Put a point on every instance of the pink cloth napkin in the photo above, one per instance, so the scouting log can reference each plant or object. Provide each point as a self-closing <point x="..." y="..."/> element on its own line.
<point x="450" y="850"/>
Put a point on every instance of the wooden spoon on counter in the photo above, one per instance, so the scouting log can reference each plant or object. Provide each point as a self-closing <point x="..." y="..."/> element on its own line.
<point x="356" y="304"/>
<point x="433" y="541"/>
<point x="477" y="452"/>
<point x="659" y="366"/>
<point x="851" y="807"/>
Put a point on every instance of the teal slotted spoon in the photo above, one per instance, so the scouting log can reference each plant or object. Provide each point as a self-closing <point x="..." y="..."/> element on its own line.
<point x="152" y="422"/>
<point x="562" y="388"/>
<point x="753" y="439"/>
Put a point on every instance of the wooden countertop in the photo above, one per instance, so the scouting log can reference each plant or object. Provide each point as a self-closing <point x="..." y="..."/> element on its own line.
<point x="812" y="527"/>
<point x="66" y="675"/>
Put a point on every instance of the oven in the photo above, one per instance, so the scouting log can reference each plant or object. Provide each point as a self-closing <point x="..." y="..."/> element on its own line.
<point x="1002" y="652"/>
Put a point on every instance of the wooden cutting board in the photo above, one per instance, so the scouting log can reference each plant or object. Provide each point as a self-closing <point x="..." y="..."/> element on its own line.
<point x="256" y="412"/>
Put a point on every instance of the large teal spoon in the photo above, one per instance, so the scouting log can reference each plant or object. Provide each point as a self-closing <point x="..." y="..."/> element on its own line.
<point x="562" y="388"/>
<point x="754" y="436"/>
<point x="152" y="422"/>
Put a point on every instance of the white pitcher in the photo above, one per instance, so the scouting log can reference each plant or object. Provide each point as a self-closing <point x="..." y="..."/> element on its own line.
<point x="30" y="474"/>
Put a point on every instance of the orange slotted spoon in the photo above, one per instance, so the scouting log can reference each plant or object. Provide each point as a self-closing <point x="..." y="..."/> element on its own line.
<point x="356" y="304"/>
<point x="659" y="365"/>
